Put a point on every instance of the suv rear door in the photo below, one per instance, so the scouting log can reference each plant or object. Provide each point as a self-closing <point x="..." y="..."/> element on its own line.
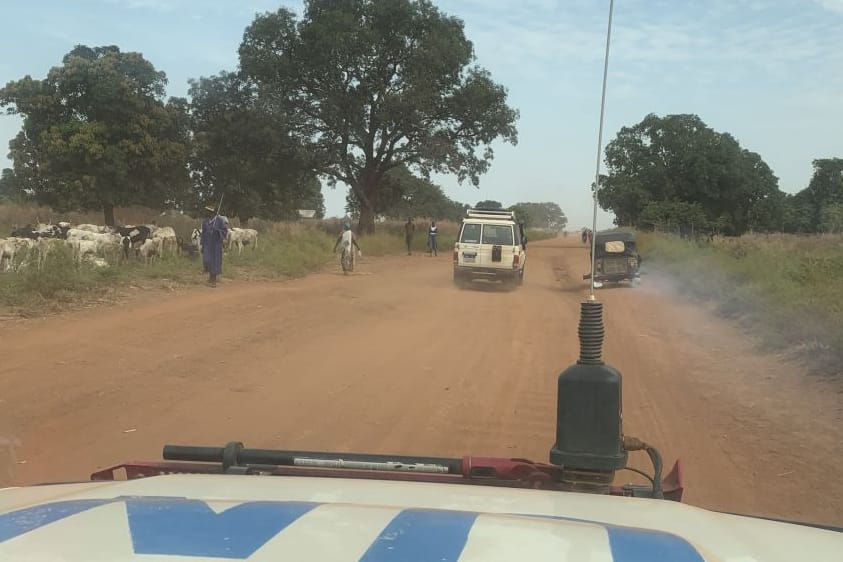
<point x="496" y="246"/>
<point x="469" y="244"/>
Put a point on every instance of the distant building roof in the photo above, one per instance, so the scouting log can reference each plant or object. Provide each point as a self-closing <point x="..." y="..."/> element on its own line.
<point x="307" y="213"/>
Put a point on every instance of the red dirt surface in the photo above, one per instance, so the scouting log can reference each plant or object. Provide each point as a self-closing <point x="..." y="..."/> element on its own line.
<point x="395" y="359"/>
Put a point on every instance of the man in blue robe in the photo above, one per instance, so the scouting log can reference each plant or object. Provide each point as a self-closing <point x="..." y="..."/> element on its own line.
<point x="214" y="232"/>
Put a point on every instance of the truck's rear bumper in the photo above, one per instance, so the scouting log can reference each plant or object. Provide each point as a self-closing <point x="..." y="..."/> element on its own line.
<point x="613" y="277"/>
<point x="491" y="273"/>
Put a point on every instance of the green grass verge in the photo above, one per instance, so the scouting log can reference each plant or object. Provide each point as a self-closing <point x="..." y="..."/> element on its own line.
<point x="536" y="234"/>
<point x="62" y="282"/>
<point x="387" y="243"/>
<point x="788" y="288"/>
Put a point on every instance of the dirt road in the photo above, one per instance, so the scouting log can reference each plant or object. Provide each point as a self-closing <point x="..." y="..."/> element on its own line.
<point x="395" y="359"/>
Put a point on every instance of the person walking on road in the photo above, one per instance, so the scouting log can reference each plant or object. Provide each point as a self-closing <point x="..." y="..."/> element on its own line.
<point x="432" y="231"/>
<point x="214" y="233"/>
<point x="348" y="240"/>
<point x="409" y="230"/>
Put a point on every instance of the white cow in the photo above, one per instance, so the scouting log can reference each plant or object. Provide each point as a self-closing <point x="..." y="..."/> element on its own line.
<point x="196" y="238"/>
<point x="12" y="247"/>
<point x="83" y="248"/>
<point x="150" y="249"/>
<point x="101" y="243"/>
<point x="82" y="234"/>
<point x="43" y="246"/>
<point x="169" y="240"/>
<point x="242" y="236"/>
<point x="94" y="228"/>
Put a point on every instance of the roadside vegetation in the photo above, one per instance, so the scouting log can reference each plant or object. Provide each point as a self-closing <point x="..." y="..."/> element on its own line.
<point x="286" y="249"/>
<point x="787" y="288"/>
<point x="283" y="252"/>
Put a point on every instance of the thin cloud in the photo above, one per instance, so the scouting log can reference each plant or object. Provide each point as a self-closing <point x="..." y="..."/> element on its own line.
<point x="738" y="36"/>
<point x="156" y="5"/>
<point x="831" y="5"/>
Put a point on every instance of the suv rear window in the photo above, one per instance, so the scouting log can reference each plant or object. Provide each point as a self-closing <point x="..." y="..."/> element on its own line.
<point x="470" y="234"/>
<point x="497" y="234"/>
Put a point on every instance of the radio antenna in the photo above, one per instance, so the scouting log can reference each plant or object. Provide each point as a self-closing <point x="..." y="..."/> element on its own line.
<point x="596" y="184"/>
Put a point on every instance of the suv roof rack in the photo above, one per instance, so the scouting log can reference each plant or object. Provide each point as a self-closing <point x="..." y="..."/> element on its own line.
<point x="491" y="214"/>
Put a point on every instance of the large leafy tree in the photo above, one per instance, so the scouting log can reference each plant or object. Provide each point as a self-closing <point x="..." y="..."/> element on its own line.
<point x="678" y="158"/>
<point x="817" y="207"/>
<point x="547" y="215"/>
<point x="798" y="213"/>
<point x="825" y="188"/>
<point x="404" y="194"/>
<point x="12" y="188"/>
<point x="831" y="218"/>
<point x="98" y="133"/>
<point x="682" y="218"/>
<point x="246" y="154"/>
<point x="372" y="85"/>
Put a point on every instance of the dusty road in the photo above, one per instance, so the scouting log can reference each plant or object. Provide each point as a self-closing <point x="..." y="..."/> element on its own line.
<point x="394" y="359"/>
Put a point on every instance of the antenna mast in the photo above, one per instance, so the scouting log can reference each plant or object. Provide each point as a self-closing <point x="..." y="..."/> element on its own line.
<point x="596" y="184"/>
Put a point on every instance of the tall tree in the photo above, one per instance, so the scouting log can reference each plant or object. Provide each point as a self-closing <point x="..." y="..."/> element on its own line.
<point x="798" y="213"/>
<point x="489" y="204"/>
<point x="372" y="85"/>
<point x="831" y="218"/>
<point x="826" y="186"/>
<point x="547" y="215"/>
<point x="677" y="158"/>
<point x="12" y="189"/>
<point x="685" y="219"/>
<point x="246" y="154"/>
<point x="97" y="133"/>
<point x="407" y="195"/>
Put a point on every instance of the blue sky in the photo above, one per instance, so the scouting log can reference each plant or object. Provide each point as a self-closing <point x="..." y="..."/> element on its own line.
<point x="769" y="72"/>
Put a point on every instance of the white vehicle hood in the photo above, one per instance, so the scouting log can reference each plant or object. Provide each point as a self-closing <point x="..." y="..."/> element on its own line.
<point x="190" y="518"/>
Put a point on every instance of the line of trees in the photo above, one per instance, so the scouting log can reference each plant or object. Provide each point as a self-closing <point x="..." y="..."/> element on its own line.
<point x="547" y="215"/>
<point x="676" y="173"/>
<point x="370" y="93"/>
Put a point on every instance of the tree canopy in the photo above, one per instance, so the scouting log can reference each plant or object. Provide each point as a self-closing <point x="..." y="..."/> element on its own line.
<point x="370" y="86"/>
<point x="821" y="200"/>
<point x="489" y="204"/>
<point x="97" y="133"/>
<point x="546" y="215"/>
<point x="246" y="153"/>
<point x="406" y="195"/>
<point x="688" y="170"/>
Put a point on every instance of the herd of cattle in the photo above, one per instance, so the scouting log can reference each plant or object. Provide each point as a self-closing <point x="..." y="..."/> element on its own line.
<point x="101" y="245"/>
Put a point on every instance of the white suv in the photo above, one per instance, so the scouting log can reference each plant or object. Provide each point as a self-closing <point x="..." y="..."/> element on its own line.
<point x="491" y="245"/>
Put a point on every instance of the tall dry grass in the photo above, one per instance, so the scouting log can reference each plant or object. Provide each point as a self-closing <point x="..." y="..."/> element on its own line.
<point x="786" y="288"/>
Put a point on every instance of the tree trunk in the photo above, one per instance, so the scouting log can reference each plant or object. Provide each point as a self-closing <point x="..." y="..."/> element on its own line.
<point x="368" y="203"/>
<point x="366" y="224"/>
<point x="108" y="212"/>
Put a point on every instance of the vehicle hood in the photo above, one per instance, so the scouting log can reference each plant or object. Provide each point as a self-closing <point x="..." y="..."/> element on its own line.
<point x="262" y="518"/>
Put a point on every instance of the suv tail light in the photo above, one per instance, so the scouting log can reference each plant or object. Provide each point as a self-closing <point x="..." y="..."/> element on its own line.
<point x="516" y="259"/>
<point x="456" y="254"/>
